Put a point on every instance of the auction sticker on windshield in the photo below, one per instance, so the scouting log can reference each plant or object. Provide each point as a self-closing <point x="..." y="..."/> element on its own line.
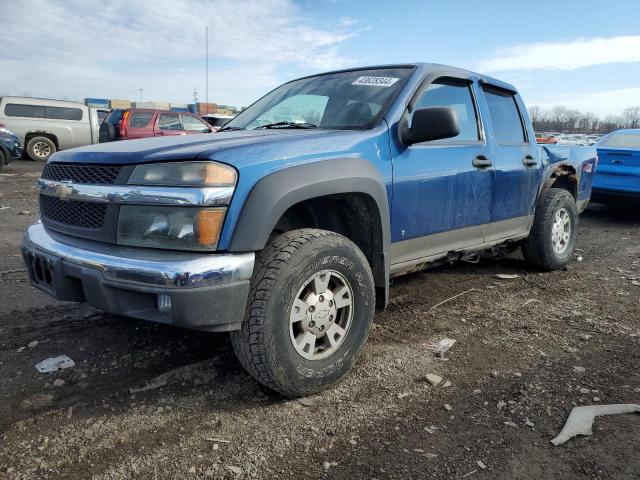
<point x="375" y="81"/>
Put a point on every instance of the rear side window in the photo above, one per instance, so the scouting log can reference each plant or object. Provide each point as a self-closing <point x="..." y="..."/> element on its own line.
<point x="18" y="110"/>
<point x="39" y="111"/>
<point x="140" y="119"/>
<point x="169" y="121"/>
<point x="62" y="113"/>
<point x="457" y="95"/>
<point x="622" y="140"/>
<point x="505" y="117"/>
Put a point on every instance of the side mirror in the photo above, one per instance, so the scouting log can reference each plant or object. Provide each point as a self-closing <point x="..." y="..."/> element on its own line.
<point x="431" y="123"/>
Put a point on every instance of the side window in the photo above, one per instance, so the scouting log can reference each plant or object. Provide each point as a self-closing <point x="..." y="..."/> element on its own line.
<point x="62" y="113"/>
<point x="505" y="117"/>
<point x="191" y="124"/>
<point x="18" y="110"/>
<point x="140" y="119"/>
<point x="444" y="93"/>
<point x="169" y="121"/>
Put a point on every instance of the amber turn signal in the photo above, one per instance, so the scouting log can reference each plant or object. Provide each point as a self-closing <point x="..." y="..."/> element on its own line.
<point x="209" y="225"/>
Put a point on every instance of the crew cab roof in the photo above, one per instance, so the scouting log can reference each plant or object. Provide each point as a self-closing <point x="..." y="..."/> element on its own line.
<point x="424" y="67"/>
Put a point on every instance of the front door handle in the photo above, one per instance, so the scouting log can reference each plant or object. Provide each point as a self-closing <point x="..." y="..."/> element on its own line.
<point x="529" y="161"/>
<point x="482" y="162"/>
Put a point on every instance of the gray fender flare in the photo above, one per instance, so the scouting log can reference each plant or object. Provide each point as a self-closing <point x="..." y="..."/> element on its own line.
<point x="272" y="196"/>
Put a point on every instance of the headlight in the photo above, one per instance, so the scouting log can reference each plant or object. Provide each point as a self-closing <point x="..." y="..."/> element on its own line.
<point x="176" y="228"/>
<point x="184" y="174"/>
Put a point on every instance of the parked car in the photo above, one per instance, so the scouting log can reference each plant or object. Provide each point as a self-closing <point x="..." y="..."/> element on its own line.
<point x="618" y="174"/>
<point x="102" y="114"/>
<point x="10" y="146"/>
<point x="287" y="233"/>
<point x="544" y="138"/>
<point x="142" y="123"/>
<point x="46" y="126"/>
<point x="217" y="121"/>
<point x="565" y="139"/>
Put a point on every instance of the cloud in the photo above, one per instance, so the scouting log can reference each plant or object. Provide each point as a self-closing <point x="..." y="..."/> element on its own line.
<point x="91" y="47"/>
<point x="610" y="102"/>
<point x="564" y="56"/>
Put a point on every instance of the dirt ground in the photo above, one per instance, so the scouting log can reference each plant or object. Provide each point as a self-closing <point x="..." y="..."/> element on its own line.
<point x="518" y="343"/>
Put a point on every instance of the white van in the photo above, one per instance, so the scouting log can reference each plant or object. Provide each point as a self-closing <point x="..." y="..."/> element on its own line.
<point x="45" y="126"/>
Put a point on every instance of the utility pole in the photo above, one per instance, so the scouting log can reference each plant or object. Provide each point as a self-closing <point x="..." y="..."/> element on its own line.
<point x="140" y="90"/>
<point x="206" y="62"/>
<point x="195" y="101"/>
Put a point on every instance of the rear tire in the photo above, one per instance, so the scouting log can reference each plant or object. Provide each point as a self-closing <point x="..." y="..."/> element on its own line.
<point x="4" y="160"/>
<point x="40" y="148"/>
<point x="309" y="312"/>
<point x="552" y="239"/>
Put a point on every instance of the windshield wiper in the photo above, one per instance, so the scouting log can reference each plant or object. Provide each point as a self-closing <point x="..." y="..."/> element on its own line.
<point x="288" y="125"/>
<point x="228" y="129"/>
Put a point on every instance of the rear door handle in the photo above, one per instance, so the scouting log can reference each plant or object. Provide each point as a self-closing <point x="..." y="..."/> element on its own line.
<point x="529" y="161"/>
<point x="482" y="162"/>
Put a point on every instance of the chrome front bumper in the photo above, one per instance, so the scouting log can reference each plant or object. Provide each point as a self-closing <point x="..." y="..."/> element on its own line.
<point x="193" y="290"/>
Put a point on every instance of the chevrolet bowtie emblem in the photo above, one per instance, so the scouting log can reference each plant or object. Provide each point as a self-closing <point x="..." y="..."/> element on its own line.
<point x="64" y="189"/>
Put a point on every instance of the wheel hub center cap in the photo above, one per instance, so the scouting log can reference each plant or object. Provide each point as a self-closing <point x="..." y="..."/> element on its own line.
<point x="321" y="313"/>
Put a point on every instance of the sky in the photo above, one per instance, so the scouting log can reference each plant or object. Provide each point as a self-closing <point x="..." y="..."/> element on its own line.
<point x="580" y="54"/>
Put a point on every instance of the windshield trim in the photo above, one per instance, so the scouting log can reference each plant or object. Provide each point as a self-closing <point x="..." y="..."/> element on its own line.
<point x="376" y="120"/>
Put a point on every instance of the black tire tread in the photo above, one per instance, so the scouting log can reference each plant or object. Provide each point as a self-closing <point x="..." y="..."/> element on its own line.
<point x="534" y="246"/>
<point x="248" y="342"/>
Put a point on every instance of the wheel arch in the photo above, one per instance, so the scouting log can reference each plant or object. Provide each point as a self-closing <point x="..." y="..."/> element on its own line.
<point x="347" y="196"/>
<point x="561" y="175"/>
<point x="30" y="135"/>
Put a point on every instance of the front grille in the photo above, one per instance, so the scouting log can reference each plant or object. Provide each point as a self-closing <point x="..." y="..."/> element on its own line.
<point x="87" y="174"/>
<point x="73" y="213"/>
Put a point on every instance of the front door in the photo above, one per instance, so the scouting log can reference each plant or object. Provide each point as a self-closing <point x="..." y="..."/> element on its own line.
<point x="517" y="169"/>
<point x="442" y="190"/>
<point x="169" y="124"/>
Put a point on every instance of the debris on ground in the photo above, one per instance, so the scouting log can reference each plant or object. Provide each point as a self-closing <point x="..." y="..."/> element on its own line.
<point x="455" y="296"/>
<point x="481" y="464"/>
<point x="306" y="401"/>
<point x="448" y="407"/>
<point x="442" y="346"/>
<point x="578" y="369"/>
<point x="581" y="419"/>
<point x="58" y="382"/>
<point x="198" y="373"/>
<point x="235" y="470"/>
<point x="54" y="364"/>
<point x="506" y="276"/>
<point x="433" y="379"/>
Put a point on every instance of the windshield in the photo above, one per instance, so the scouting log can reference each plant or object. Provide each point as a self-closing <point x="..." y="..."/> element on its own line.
<point x="343" y="100"/>
<point x="622" y="140"/>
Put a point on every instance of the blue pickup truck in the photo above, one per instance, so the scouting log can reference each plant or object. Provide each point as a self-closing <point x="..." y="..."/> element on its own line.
<point x="286" y="226"/>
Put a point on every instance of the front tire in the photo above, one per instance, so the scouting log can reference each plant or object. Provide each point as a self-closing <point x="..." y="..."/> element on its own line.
<point x="309" y="313"/>
<point x="552" y="239"/>
<point x="40" y="148"/>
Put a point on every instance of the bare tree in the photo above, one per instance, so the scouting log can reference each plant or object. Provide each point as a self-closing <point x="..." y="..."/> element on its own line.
<point x="632" y="117"/>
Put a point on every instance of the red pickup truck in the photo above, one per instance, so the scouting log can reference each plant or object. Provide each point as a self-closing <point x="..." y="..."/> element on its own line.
<point x="143" y="123"/>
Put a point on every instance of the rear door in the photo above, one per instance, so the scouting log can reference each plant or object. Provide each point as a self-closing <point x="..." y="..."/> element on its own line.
<point x="516" y="163"/>
<point x="168" y="124"/>
<point x="139" y="123"/>
<point x="442" y="190"/>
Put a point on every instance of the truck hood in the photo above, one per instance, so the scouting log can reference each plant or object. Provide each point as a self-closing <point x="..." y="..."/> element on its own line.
<point x="237" y="148"/>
